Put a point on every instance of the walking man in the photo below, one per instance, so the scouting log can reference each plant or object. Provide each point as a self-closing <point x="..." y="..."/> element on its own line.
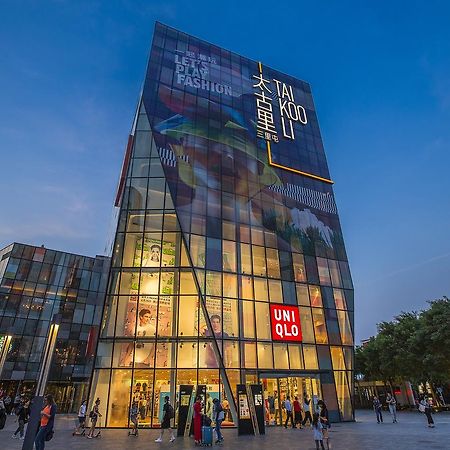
<point x="168" y="415"/>
<point x="307" y="410"/>
<point x="378" y="408"/>
<point x="219" y="416"/>
<point x="288" y="407"/>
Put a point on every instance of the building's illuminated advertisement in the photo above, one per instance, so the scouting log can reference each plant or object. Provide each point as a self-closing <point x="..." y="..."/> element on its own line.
<point x="226" y="207"/>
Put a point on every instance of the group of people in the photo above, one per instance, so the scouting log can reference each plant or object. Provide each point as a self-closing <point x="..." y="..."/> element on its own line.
<point x="20" y="407"/>
<point x="296" y="412"/>
<point x="424" y="405"/>
<point x="202" y="419"/>
<point x="94" y="416"/>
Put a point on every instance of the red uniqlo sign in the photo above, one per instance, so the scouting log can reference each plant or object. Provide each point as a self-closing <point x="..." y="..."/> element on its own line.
<point x="285" y="322"/>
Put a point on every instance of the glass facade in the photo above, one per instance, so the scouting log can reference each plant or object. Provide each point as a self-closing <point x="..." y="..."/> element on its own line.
<point x="35" y="284"/>
<point x="219" y="219"/>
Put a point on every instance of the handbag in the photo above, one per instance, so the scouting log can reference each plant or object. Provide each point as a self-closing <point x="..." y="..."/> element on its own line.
<point x="49" y="435"/>
<point x="422" y="408"/>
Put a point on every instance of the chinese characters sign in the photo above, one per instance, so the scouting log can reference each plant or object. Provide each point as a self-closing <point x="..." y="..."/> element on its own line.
<point x="285" y="321"/>
<point x="289" y="111"/>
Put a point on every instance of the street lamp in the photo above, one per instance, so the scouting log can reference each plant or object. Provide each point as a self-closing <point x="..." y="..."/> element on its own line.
<point x="38" y="400"/>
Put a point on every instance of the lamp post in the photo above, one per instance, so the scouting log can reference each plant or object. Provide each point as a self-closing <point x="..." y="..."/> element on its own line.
<point x="37" y="403"/>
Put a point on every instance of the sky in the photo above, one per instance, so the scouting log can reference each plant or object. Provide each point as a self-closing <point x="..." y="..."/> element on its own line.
<point x="70" y="77"/>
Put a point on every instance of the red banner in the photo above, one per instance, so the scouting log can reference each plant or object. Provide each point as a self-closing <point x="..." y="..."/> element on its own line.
<point x="285" y="322"/>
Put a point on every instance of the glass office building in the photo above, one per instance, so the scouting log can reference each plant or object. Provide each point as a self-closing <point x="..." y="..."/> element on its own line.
<point x="227" y="226"/>
<point x="35" y="284"/>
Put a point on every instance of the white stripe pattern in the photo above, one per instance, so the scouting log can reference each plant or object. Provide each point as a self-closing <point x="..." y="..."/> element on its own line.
<point x="169" y="158"/>
<point x="315" y="199"/>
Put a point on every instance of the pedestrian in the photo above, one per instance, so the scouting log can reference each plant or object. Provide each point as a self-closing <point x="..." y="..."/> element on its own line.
<point x="288" y="407"/>
<point x="2" y="414"/>
<point x="168" y="415"/>
<point x="45" y="432"/>
<point x="306" y="410"/>
<point x="317" y="428"/>
<point x="392" y="404"/>
<point x="94" y="415"/>
<point x="325" y="421"/>
<point x="219" y="416"/>
<point x="425" y="407"/>
<point x="377" y="407"/>
<point x="8" y="404"/>
<point x="80" y="429"/>
<point x="134" y="413"/>
<point x="198" y="420"/>
<point x="22" y="419"/>
<point x="297" y="413"/>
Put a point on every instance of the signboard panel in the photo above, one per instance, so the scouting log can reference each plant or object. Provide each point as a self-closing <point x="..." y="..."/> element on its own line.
<point x="285" y="323"/>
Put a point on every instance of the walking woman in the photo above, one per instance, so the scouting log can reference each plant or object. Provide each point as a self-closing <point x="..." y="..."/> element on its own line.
<point x="198" y="420"/>
<point x="325" y="421"/>
<point x="47" y="422"/>
<point x="94" y="415"/>
<point x="425" y="407"/>
<point x="392" y="404"/>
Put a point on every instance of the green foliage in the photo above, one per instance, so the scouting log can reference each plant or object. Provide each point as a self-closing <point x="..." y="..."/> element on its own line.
<point x="414" y="346"/>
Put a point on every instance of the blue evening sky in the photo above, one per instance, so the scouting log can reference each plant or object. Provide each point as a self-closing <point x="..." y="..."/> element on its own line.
<point x="70" y="75"/>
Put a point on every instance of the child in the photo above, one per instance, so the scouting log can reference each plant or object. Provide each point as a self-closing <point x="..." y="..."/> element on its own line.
<point x="317" y="428"/>
<point x="134" y="411"/>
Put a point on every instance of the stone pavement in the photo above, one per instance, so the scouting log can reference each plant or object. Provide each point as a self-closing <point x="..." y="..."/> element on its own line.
<point x="410" y="432"/>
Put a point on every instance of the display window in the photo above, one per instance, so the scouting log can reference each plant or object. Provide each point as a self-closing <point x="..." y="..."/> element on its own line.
<point x="319" y="325"/>
<point x="315" y="296"/>
<point x="302" y="294"/>
<point x="248" y="319"/>
<point x="310" y="356"/>
<point x="119" y="398"/>
<point x="142" y="394"/>
<point x="265" y="356"/>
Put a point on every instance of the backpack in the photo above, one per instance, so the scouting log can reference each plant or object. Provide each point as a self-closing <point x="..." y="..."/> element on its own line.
<point x="170" y="412"/>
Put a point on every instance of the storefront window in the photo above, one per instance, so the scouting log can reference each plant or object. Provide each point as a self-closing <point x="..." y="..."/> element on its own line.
<point x="276" y="295"/>
<point x="259" y="261"/>
<point x="344" y="325"/>
<point x="295" y="356"/>
<point x="229" y="285"/>
<point x="119" y="398"/>
<point x="188" y="316"/>
<point x="280" y="354"/>
<point x="273" y="264"/>
<point x="306" y="324"/>
<point x="246" y="260"/>
<point x="265" y="358"/>
<point x="319" y="325"/>
<point x="261" y="290"/>
<point x="187" y="354"/>
<point x="142" y="394"/>
<point x="197" y="250"/>
<point x="229" y="256"/>
<point x="310" y="355"/>
<point x="247" y="287"/>
<point x="315" y="296"/>
<point x="302" y="294"/>
<point x="250" y="355"/>
<point x="299" y="267"/>
<point x="324" y="274"/>
<point x="262" y="320"/>
<point x="162" y="388"/>
<point x="339" y="299"/>
<point x="248" y="319"/>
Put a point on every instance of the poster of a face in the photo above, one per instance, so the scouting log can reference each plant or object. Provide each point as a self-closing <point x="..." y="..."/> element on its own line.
<point x="154" y="253"/>
<point x="144" y="324"/>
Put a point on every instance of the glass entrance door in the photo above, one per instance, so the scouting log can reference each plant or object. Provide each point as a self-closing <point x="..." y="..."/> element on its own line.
<point x="277" y="389"/>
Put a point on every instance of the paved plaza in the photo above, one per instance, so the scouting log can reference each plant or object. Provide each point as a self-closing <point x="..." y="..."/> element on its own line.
<point x="411" y="432"/>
